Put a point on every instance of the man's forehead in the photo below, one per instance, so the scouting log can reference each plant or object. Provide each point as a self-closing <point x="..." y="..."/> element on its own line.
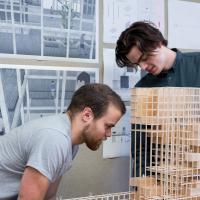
<point x="134" y="53"/>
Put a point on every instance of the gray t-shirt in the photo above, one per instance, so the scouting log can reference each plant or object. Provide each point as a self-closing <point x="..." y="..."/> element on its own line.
<point x="44" y="144"/>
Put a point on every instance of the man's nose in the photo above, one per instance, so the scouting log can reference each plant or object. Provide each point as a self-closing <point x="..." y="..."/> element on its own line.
<point x="108" y="134"/>
<point x="143" y="65"/>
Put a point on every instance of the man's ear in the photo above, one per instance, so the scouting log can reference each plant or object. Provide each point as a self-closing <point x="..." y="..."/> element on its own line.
<point x="87" y="114"/>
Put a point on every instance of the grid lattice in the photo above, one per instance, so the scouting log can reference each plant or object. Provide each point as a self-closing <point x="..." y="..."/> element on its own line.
<point x="113" y="196"/>
<point x="166" y="137"/>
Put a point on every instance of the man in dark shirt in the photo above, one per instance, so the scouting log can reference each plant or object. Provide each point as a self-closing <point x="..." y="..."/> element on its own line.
<point x="184" y="72"/>
<point x="142" y="45"/>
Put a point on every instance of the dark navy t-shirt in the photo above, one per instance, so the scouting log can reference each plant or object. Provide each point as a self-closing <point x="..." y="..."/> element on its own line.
<point x="185" y="72"/>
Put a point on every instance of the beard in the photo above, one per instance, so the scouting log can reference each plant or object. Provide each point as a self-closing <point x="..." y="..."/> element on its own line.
<point x="90" y="141"/>
<point x="93" y="145"/>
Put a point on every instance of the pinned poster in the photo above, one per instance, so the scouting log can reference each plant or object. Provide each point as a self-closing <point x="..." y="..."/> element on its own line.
<point x="119" y="79"/>
<point x="118" y="145"/>
<point x="183" y="28"/>
<point x="118" y="15"/>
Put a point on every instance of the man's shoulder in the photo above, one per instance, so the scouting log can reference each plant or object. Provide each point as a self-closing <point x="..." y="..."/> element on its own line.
<point x="58" y="123"/>
<point x="189" y="55"/>
<point x="187" y="61"/>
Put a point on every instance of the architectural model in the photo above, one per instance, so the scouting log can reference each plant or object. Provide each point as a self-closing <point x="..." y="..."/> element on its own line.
<point x="165" y="143"/>
<point x="112" y="196"/>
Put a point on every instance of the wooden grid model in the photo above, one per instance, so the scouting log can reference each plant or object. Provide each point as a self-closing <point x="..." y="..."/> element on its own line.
<point x="113" y="196"/>
<point x="165" y="143"/>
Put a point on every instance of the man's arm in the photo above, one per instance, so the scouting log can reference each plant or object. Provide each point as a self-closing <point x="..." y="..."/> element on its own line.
<point x="51" y="193"/>
<point x="34" y="185"/>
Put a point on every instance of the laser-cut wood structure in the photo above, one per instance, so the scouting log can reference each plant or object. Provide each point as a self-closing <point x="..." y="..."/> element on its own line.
<point x="112" y="196"/>
<point x="166" y="143"/>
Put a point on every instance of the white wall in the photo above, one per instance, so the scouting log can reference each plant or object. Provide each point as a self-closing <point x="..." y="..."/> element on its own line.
<point x="92" y="175"/>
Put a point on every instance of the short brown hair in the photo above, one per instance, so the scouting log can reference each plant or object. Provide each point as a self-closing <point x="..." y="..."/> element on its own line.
<point x="97" y="97"/>
<point x="141" y="34"/>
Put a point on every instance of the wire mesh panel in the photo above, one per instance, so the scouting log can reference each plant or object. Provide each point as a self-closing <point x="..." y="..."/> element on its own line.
<point x="113" y="196"/>
<point x="165" y="143"/>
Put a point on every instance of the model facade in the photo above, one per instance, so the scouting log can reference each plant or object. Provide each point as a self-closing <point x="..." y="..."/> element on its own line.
<point x="165" y="149"/>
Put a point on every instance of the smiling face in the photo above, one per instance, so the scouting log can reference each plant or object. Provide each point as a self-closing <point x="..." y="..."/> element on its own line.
<point x="99" y="129"/>
<point x="153" y="63"/>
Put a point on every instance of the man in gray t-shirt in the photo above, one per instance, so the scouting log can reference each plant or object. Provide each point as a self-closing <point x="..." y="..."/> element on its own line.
<point x="34" y="156"/>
